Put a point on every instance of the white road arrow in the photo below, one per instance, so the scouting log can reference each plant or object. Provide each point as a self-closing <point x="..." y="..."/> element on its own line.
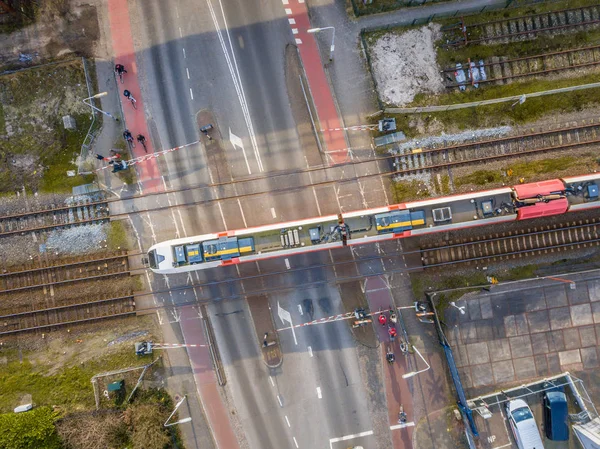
<point x="237" y="143"/>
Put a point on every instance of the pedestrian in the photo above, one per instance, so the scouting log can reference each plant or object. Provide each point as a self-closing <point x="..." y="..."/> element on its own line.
<point x="265" y="343"/>
<point x="205" y="132"/>
<point x="392" y="332"/>
<point x="120" y="69"/>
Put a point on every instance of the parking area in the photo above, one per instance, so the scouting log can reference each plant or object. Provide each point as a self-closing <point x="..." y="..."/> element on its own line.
<point x="520" y="333"/>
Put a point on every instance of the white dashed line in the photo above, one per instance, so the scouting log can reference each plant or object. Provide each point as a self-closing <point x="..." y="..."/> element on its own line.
<point x="298" y="41"/>
<point x="319" y="395"/>
<point x="300" y="309"/>
<point x="285" y="2"/>
<point x="292" y="21"/>
<point x="287" y="421"/>
<point x="288" y="11"/>
<point x="300" y="1"/>
<point x="188" y="72"/>
<point x="295" y="442"/>
<point x="310" y="351"/>
<point x="191" y="93"/>
<point x="180" y="32"/>
<point x="401" y="426"/>
<point x="350" y="437"/>
<point x="273" y="212"/>
<point x="294" y="30"/>
<point x="279" y="400"/>
<point x="287" y="264"/>
<point x="183" y="53"/>
<point x="242" y="213"/>
<point x="271" y="379"/>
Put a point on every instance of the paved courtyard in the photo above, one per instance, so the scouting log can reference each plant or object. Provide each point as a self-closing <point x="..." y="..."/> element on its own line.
<point x="526" y="330"/>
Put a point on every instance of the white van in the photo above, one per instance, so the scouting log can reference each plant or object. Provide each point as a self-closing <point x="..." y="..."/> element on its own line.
<point x="522" y="423"/>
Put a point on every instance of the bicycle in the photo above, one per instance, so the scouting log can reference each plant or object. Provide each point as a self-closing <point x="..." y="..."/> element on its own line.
<point x="120" y="70"/>
<point x="129" y="138"/>
<point x="128" y="95"/>
<point x="141" y="139"/>
<point x="402" y="415"/>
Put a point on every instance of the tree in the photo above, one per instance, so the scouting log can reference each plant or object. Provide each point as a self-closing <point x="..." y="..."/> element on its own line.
<point x="29" y="430"/>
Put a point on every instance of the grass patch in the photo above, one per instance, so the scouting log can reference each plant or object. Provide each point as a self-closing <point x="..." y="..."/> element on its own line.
<point x="379" y="6"/>
<point x="479" y="177"/>
<point x="523" y="272"/>
<point x="116" y="237"/>
<point x="409" y="190"/>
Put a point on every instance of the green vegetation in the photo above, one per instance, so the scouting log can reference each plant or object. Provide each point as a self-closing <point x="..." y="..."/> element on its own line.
<point x="479" y="177"/>
<point x="522" y="272"/>
<point x="116" y="237"/>
<point x="409" y="190"/>
<point x="378" y="6"/>
<point x="40" y="151"/>
<point x="32" y="430"/>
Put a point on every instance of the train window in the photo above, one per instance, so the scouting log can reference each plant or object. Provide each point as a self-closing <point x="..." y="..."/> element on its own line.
<point x="442" y="214"/>
<point x="154" y="259"/>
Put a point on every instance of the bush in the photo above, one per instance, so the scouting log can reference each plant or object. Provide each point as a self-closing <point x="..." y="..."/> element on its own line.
<point x="29" y="430"/>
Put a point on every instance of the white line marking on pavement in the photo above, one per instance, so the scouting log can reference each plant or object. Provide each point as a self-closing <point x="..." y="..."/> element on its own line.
<point x="238" y="143"/>
<point x="188" y="72"/>
<point x="300" y="309"/>
<point x="287" y="263"/>
<point x="292" y="21"/>
<point x="349" y="437"/>
<point x="287" y="421"/>
<point x="191" y="93"/>
<point x="285" y="2"/>
<point x="180" y="32"/>
<point x="183" y="53"/>
<point x="288" y="11"/>
<point x="294" y="30"/>
<point x="298" y="41"/>
<point x="295" y="442"/>
<point x="310" y="351"/>
<point x="300" y="1"/>
<point x="242" y="213"/>
<point x="401" y="426"/>
<point x="279" y="400"/>
<point x="273" y="212"/>
<point x="271" y="380"/>
<point x="504" y="445"/>
<point x="319" y="395"/>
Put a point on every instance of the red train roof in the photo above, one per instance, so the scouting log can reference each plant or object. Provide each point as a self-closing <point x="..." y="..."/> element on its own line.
<point x="538" y="188"/>
<point x="538" y="210"/>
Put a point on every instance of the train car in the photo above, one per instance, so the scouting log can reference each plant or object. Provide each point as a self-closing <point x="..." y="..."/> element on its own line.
<point x="522" y="202"/>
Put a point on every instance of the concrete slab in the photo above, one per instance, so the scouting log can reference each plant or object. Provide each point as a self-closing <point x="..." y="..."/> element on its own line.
<point x="556" y="296"/>
<point x="582" y="314"/>
<point x="461" y="357"/>
<point x="503" y="372"/>
<point x="482" y="375"/>
<point x="597" y="326"/>
<point x="468" y="332"/>
<point x="474" y="310"/>
<point x="539" y="343"/>
<point x="596" y="312"/>
<point x="524" y="368"/>
<point x="485" y="330"/>
<point x="556" y="341"/>
<point x="587" y="336"/>
<point x="465" y="377"/>
<point x="521" y="323"/>
<point x="579" y="295"/>
<point x="594" y="290"/>
<point x="541" y="365"/>
<point x="510" y="327"/>
<point x="499" y="350"/>
<point x="520" y="346"/>
<point x="538" y="321"/>
<point x="515" y="303"/>
<point x="589" y="356"/>
<point x="478" y="353"/>
<point x="571" y="338"/>
<point x="486" y="308"/>
<point x="553" y="363"/>
<point x="569" y="357"/>
<point x="560" y="318"/>
<point x="535" y="302"/>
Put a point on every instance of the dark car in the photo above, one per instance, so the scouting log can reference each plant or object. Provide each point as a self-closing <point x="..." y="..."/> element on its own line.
<point x="555" y="415"/>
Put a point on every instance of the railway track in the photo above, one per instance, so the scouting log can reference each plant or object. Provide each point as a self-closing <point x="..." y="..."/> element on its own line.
<point x="513" y="245"/>
<point x="523" y="27"/>
<point x="502" y="70"/>
<point x="65" y="315"/>
<point x="81" y="269"/>
<point x="450" y="156"/>
<point x="83" y="211"/>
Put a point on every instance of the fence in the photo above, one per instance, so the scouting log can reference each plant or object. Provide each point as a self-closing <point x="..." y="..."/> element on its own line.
<point x="86" y="146"/>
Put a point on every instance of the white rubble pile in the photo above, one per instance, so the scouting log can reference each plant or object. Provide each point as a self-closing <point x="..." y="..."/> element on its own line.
<point x="405" y="65"/>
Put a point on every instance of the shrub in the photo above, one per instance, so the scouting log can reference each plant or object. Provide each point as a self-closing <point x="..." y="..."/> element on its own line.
<point x="30" y="430"/>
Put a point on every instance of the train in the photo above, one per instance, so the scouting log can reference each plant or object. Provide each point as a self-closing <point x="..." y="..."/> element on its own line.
<point x="501" y="205"/>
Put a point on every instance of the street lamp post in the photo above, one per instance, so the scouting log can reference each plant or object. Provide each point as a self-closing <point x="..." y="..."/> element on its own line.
<point x="101" y="94"/>
<point x="181" y="421"/>
<point x="317" y="30"/>
<point x="414" y="373"/>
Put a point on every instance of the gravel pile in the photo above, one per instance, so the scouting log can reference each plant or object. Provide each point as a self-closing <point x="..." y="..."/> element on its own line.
<point x="451" y="139"/>
<point x="405" y="65"/>
<point x="77" y="240"/>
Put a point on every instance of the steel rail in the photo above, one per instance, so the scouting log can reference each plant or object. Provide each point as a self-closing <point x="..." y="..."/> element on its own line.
<point x="63" y="265"/>
<point x="57" y="209"/>
<point x="547" y="13"/>
<point x="53" y="226"/>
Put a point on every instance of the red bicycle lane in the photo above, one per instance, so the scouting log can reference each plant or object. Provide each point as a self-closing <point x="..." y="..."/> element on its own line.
<point x="120" y="27"/>
<point x="397" y="389"/>
<point x="335" y="143"/>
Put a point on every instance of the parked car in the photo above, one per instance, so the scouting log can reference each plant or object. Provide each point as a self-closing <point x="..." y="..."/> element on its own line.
<point x="556" y="414"/>
<point x="523" y="425"/>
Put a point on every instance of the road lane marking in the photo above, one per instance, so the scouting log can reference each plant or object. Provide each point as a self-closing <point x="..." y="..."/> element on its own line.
<point x="319" y="395"/>
<point x="273" y="212"/>
<point x="184" y="57"/>
<point x="300" y="309"/>
<point x="298" y="41"/>
<point x="238" y="143"/>
<point x="294" y="30"/>
<point x="242" y="213"/>
<point x="401" y="426"/>
<point x="191" y="93"/>
<point x="285" y="2"/>
<point x="188" y="72"/>
<point x="287" y="421"/>
<point x="180" y="32"/>
<point x="288" y="11"/>
<point x="271" y="379"/>
<point x="287" y="264"/>
<point x="310" y="351"/>
<point x="292" y="21"/>
<point x="295" y="442"/>
<point x="279" y="400"/>
<point x="349" y="437"/>
<point x="300" y="1"/>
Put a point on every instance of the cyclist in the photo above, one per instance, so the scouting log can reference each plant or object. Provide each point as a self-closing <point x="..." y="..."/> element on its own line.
<point x="127" y="136"/>
<point x="120" y="69"/>
<point x="382" y="319"/>
<point x="391" y="358"/>
<point x="141" y="139"/>
<point x="392" y="332"/>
